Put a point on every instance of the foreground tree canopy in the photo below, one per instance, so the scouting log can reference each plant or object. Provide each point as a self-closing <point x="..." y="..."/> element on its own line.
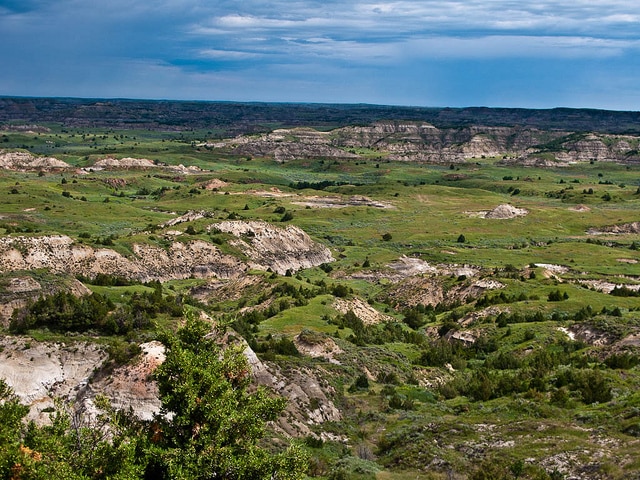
<point x="209" y="425"/>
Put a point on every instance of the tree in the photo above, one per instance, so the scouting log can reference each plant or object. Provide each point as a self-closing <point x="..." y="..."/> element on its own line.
<point x="461" y="239"/>
<point x="387" y="237"/>
<point x="73" y="446"/>
<point x="209" y="423"/>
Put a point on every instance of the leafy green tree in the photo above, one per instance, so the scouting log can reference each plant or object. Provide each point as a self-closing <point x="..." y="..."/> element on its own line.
<point x="72" y="447"/>
<point x="288" y="216"/>
<point x="11" y="415"/>
<point x="210" y="423"/>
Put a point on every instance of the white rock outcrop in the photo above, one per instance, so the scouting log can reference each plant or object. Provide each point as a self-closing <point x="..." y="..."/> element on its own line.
<point x="275" y="248"/>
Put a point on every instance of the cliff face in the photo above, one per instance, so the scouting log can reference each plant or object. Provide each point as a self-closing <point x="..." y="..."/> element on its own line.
<point x="26" y="162"/>
<point x="423" y="142"/>
<point x="607" y="148"/>
<point x="38" y="372"/>
<point x="266" y="246"/>
<point x="285" y="145"/>
<point x="61" y="254"/>
<point x="278" y="249"/>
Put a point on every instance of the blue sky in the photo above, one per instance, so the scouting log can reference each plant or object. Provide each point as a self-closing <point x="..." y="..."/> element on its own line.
<point x="543" y="54"/>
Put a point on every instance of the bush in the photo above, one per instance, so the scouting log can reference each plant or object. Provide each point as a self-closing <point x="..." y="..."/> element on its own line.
<point x="361" y="383"/>
<point x="557" y="296"/>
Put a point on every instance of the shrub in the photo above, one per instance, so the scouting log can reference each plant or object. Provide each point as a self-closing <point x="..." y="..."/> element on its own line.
<point x="361" y="383"/>
<point x="557" y="296"/>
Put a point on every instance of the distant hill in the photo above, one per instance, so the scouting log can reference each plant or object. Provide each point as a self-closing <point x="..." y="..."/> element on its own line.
<point x="230" y="118"/>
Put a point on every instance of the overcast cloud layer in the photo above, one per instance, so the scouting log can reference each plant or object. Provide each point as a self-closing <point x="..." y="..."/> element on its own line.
<point x="583" y="53"/>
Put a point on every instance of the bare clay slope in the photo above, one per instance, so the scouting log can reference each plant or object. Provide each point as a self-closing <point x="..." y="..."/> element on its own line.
<point x="423" y="142"/>
<point x="266" y="246"/>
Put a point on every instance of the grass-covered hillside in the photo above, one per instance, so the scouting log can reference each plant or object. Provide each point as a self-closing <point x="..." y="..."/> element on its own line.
<point x="474" y="320"/>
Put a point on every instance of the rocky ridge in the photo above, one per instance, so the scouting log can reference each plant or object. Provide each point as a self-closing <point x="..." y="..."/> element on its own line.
<point x="26" y="162"/>
<point x="278" y="249"/>
<point x="285" y="145"/>
<point x="623" y="229"/>
<point x="61" y="254"/>
<point x="266" y="246"/>
<point x="423" y="142"/>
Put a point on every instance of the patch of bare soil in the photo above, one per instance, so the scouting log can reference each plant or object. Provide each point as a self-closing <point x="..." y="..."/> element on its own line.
<point x="506" y="211"/>
<point x="607" y="287"/>
<point x="405" y="267"/>
<point x="580" y="208"/>
<point x="334" y="201"/>
<point x="501" y="212"/>
<point x="190" y="216"/>
<point x="317" y="346"/>
<point x="131" y="386"/>
<point x="632" y="261"/>
<point x="24" y="161"/>
<point x="588" y="334"/>
<point x="472" y="317"/>
<point x="307" y="390"/>
<point x="126" y="162"/>
<point x="466" y="337"/>
<point x="431" y="377"/>
<point x="273" y="192"/>
<point x="23" y="284"/>
<point x="409" y="266"/>
<point x="188" y="170"/>
<point x="25" y="128"/>
<point x="361" y="309"/>
<point x="623" y="229"/>
<point x="417" y="291"/>
<point x="552" y="267"/>
<point x="215" y="184"/>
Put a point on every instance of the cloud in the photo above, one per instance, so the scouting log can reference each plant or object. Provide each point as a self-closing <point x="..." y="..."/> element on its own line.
<point x="216" y="54"/>
<point x="308" y="50"/>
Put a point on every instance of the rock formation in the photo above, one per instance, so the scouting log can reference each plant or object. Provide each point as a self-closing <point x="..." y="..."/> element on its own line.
<point x="278" y="249"/>
<point x="26" y="162"/>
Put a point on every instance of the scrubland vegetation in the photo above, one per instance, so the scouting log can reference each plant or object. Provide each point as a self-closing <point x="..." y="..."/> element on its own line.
<point x="514" y="354"/>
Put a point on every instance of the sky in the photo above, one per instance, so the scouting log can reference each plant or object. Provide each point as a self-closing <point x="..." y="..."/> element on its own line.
<point x="444" y="53"/>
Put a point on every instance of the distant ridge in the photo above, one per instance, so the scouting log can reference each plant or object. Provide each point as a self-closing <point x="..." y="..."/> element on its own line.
<point x="232" y="118"/>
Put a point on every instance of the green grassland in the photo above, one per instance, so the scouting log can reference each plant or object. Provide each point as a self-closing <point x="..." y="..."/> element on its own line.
<point x="424" y="413"/>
